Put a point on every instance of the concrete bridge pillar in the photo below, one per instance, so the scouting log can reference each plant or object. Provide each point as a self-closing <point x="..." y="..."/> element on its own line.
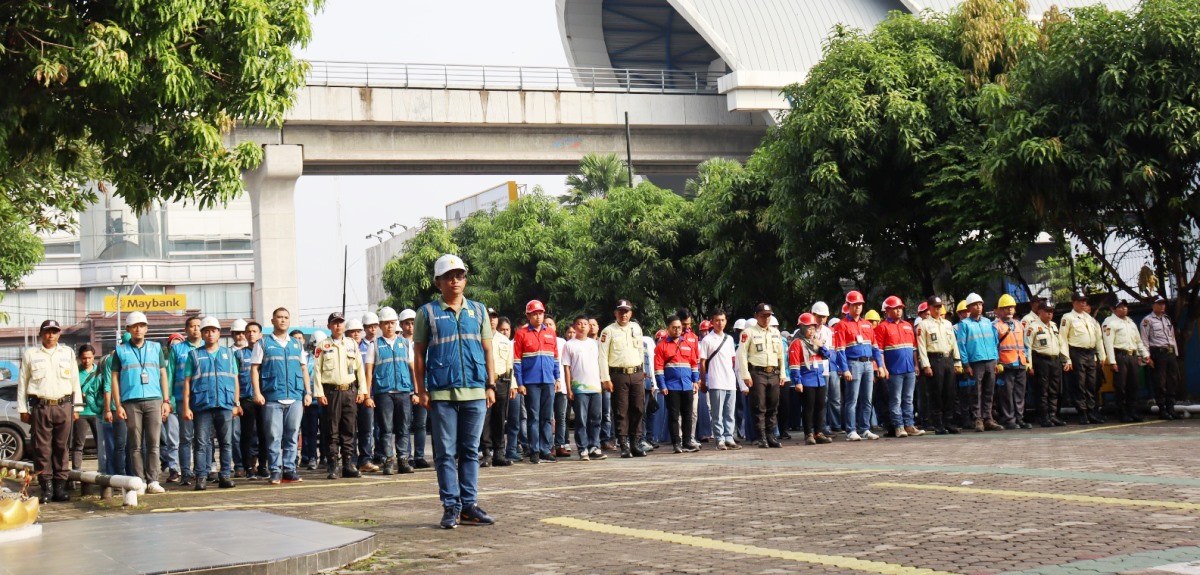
<point x="272" y="190"/>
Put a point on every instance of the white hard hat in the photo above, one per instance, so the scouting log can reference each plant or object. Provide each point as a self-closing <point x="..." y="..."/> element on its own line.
<point x="387" y="314"/>
<point x="135" y="318"/>
<point x="319" y="336"/>
<point x="820" y="308"/>
<point x="773" y="322"/>
<point x="238" y="325"/>
<point x="739" y="324"/>
<point x="833" y="321"/>
<point x="210" y="321"/>
<point x="370" y="318"/>
<point x="354" y="324"/>
<point x="447" y="263"/>
<point x="408" y="314"/>
<point x="974" y="298"/>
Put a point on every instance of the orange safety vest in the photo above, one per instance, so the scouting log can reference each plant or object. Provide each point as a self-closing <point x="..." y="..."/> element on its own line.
<point x="1012" y="344"/>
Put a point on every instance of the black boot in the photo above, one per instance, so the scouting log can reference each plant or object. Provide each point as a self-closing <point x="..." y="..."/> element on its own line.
<point x="60" y="491"/>
<point x="1083" y="418"/>
<point x="47" y="489"/>
<point x="349" y="470"/>
<point x="634" y="448"/>
<point x="625" y="452"/>
<point x="389" y="466"/>
<point x="332" y="467"/>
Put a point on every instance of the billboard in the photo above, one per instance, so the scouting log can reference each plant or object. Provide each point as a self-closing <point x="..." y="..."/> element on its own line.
<point x="497" y="197"/>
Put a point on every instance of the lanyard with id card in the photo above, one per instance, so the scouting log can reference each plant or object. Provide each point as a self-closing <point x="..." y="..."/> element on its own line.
<point x="142" y="364"/>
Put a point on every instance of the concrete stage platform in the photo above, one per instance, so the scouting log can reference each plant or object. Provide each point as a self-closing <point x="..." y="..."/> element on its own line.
<point x="201" y="542"/>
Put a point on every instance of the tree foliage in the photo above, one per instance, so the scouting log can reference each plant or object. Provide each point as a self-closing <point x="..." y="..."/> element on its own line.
<point x="408" y="278"/>
<point x="597" y="176"/>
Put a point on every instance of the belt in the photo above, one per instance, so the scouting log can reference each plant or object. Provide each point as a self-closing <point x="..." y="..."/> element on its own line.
<point x="50" y="402"/>
<point x="862" y="359"/>
<point x="1083" y="349"/>
<point x="338" y="387"/>
<point x="1162" y="348"/>
<point x="625" y="370"/>
<point x="1124" y="352"/>
<point x="935" y="354"/>
<point x="763" y="369"/>
<point x="1045" y="356"/>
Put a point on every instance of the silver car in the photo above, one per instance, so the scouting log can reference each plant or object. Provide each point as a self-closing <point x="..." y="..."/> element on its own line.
<point x="14" y="435"/>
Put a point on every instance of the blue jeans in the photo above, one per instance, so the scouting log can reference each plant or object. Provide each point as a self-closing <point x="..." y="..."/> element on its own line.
<point x="366" y="433"/>
<point x="721" y="411"/>
<point x="606" y="424"/>
<point x="856" y="405"/>
<point x="237" y="441"/>
<point x="283" y="429"/>
<point x="116" y="438"/>
<point x="588" y="415"/>
<point x="833" y="403"/>
<point x="540" y="404"/>
<point x="420" y="419"/>
<point x="512" y="426"/>
<point x="456" y="429"/>
<point x="900" y="394"/>
<point x="168" y="450"/>
<point x="394" y="412"/>
<point x="215" y="423"/>
<point x="560" y="420"/>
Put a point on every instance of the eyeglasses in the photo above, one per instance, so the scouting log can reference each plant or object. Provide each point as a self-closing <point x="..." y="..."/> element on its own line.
<point x="457" y="275"/>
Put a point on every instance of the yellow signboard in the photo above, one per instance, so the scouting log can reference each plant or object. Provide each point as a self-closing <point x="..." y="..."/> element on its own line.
<point x="145" y="303"/>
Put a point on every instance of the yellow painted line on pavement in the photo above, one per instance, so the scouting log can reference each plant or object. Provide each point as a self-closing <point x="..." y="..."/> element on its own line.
<point x="530" y="490"/>
<point x="344" y="482"/>
<point x="1117" y="426"/>
<point x="718" y="545"/>
<point x="1088" y="499"/>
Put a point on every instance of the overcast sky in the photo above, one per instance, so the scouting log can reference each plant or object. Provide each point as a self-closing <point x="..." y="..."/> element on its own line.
<point x="337" y="211"/>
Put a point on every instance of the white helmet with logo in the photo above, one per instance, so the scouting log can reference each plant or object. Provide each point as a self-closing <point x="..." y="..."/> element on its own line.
<point x="135" y="318"/>
<point x="820" y="308"/>
<point x="448" y="262"/>
<point x="210" y="321"/>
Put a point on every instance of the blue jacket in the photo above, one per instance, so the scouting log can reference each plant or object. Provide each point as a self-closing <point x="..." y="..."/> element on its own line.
<point x="281" y="376"/>
<point x="809" y="372"/>
<point x="454" y="356"/>
<point x="180" y="354"/>
<point x="214" y="378"/>
<point x="132" y="362"/>
<point x="243" y="355"/>
<point x="535" y="356"/>
<point x="676" y="364"/>
<point x="978" y="340"/>
<point x="391" y="372"/>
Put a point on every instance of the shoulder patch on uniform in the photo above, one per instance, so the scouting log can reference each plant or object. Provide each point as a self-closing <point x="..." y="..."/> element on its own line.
<point x="745" y="336"/>
<point x="1146" y="322"/>
<point x="603" y="337"/>
<point x="1107" y="330"/>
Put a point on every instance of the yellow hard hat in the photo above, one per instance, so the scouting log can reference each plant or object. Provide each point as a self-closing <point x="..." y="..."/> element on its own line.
<point x="1006" y="301"/>
<point x="962" y="306"/>
<point x="873" y="315"/>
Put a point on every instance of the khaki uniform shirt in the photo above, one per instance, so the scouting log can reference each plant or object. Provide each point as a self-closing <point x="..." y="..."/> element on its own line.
<point x="48" y="374"/>
<point x="1082" y="330"/>
<point x="502" y="355"/>
<point x="1122" y="334"/>
<point x="1157" y="331"/>
<point x="1043" y="339"/>
<point x="761" y="347"/>
<point x="936" y="336"/>
<point x="339" y="363"/>
<point x="1029" y="318"/>
<point x="621" y="347"/>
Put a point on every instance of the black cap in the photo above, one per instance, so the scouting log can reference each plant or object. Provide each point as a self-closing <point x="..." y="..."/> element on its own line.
<point x="492" y="312"/>
<point x="1079" y="296"/>
<point x="1122" y="302"/>
<point x="335" y="316"/>
<point x="763" y="308"/>
<point x="50" y="324"/>
<point x="935" y="301"/>
<point x="624" y="304"/>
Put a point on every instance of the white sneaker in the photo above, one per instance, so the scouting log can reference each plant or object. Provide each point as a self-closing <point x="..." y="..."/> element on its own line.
<point x="869" y="435"/>
<point x="853" y="436"/>
<point x="901" y="433"/>
<point x="154" y="487"/>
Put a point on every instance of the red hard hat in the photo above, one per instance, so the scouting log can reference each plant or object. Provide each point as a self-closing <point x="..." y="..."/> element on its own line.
<point x="534" y="306"/>
<point x="705" y="325"/>
<point x="807" y="319"/>
<point x="892" y="302"/>
<point x="854" y="297"/>
<point x="661" y="334"/>
<point x="923" y="307"/>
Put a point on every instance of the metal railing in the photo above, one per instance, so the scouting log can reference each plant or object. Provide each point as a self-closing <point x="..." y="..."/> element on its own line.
<point x="453" y="76"/>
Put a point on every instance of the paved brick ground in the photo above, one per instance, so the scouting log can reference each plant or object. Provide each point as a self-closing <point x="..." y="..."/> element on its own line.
<point x="796" y="509"/>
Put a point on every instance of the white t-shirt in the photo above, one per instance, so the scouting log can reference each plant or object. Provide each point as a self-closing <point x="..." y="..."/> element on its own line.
<point x="720" y="374"/>
<point x="583" y="357"/>
<point x="371" y="354"/>
<point x="825" y="336"/>
<point x="560" y="384"/>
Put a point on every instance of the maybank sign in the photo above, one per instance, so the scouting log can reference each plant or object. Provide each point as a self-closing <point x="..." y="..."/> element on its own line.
<point x="144" y="303"/>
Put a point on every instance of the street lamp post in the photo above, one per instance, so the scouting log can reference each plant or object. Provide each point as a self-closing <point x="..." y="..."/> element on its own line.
<point x="118" y="292"/>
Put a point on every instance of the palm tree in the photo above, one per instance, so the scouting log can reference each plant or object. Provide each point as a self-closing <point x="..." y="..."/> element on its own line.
<point x="597" y="176"/>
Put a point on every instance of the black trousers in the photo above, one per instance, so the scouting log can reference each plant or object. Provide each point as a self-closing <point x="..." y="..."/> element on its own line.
<point x="764" y="402"/>
<point x="814" y="409"/>
<point x="1047" y="377"/>
<point x="254" y="436"/>
<point x="338" y="424"/>
<point x="50" y="426"/>
<point x="492" y="438"/>
<point x="79" y="433"/>
<point x="679" y="407"/>
<point x="628" y="398"/>
<point x="941" y="392"/>
<point x="1086" y="379"/>
<point x="1164" y="377"/>
<point x="1125" y="381"/>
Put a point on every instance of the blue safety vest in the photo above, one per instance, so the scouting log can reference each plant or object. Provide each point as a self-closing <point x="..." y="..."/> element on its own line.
<point x="214" y="378"/>
<point x="391" y="373"/>
<point x="454" y="358"/>
<point x="180" y="352"/>
<point x="135" y="361"/>
<point x="243" y="355"/>
<point x="280" y="375"/>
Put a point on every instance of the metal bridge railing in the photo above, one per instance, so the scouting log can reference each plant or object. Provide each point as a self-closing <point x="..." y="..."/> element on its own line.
<point x="443" y="76"/>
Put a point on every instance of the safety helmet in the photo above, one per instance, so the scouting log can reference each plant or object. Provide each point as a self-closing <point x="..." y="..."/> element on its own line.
<point x="974" y="298"/>
<point x="448" y="262"/>
<point x="354" y="324"/>
<point x="660" y="334"/>
<point x="854" y="297"/>
<point x="407" y="314"/>
<point x="820" y="308"/>
<point x="370" y="318"/>
<point x="174" y="338"/>
<point x="962" y="306"/>
<point x="872" y="315"/>
<point x="893" y="302"/>
<point x="210" y="321"/>
<point x="923" y="307"/>
<point x="239" y="325"/>
<point x="807" y="319"/>
<point x="535" y="306"/>
<point x="705" y="325"/>
<point x="135" y="318"/>
<point x="833" y="321"/>
<point x="1006" y="301"/>
<point x="318" y="336"/>
<point x="773" y="322"/>
<point x="387" y="314"/>
<point x="739" y="324"/>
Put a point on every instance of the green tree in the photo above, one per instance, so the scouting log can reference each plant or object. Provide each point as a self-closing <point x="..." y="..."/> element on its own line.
<point x="408" y="278"/>
<point x="140" y="95"/>
<point x="1099" y="132"/>
<point x="598" y="175"/>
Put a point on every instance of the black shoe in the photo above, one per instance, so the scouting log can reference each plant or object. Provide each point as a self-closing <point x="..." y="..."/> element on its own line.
<point x="184" y="480"/>
<point x="212" y="477"/>
<point x="311" y="465"/>
<point x="771" y="442"/>
<point x="60" y="491"/>
<point x="1025" y="425"/>
<point x="496" y="462"/>
<point x="549" y="458"/>
<point x="1095" y="417"/>
<point x="1046" y="423"/>
<point x="389" y="466"/>
<point x="1125" y="418"/>
<point x="475" y="515"/>
<point x="349" y="470"/>
<point x="535" y="458"/>
<point x="784" y="435"/>
<point x="404" y="467"/>
<point x="1057" y="421"/>
<point x="201" y="484"/>
<point x="449" y="518"/>
<point x="420" y="463"/>
<point x="635" y="449"/>
<point x="625" y="451"/>
<point x="226" y="483"/>
<point x="1083" y="419"/>
<point x="951" y="430"/>
<point x="290" y="476"/>
<point x="940" y="431"/>
<point x="762" y="443"/>
<point x="1136" y="418"/>
<point x="173" y="477"/>
<point x="47" y="490"/>
<point x="677" y="448"/>
<point x="1011" y="426"/>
